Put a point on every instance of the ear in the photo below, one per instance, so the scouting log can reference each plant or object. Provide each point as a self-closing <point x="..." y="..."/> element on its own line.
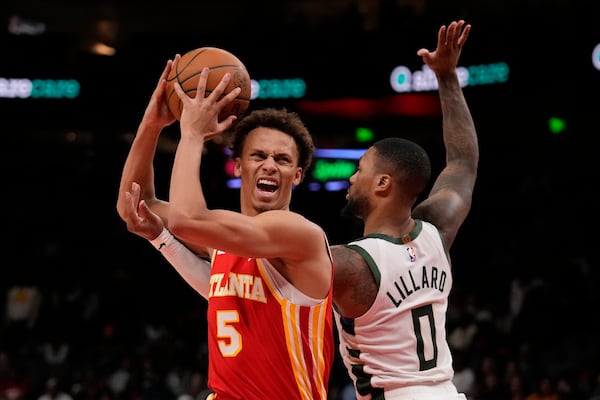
<point x="298" y="177"/>
<point x="384" y="182"/>
<point x="237" y="169"/>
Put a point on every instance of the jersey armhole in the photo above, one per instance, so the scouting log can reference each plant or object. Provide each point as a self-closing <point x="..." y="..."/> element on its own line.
<point x="370" y="262"/>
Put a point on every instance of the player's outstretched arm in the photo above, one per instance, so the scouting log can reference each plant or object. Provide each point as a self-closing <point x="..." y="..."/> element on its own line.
<point x="450" y="199"/>
<point x="138" y="166"/>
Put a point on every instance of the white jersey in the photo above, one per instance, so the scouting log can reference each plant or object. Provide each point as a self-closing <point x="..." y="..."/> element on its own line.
<point x="398" y="348"/>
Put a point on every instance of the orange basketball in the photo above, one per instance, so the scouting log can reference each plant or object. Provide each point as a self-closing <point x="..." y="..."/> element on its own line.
<point x="187" y="72"/>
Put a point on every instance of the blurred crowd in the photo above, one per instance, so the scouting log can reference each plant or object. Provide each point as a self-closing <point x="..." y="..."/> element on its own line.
<point x="138" y="333"/>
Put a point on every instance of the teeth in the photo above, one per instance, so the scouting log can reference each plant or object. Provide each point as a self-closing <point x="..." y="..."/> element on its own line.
<point x="266" y="182"/>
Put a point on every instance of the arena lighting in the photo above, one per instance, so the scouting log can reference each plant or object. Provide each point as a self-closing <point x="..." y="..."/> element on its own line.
<point x="335" y="186"/>
<point x="18" y="25"/>
<point x="234" y="183"/>
<point x="364" y="135"/>
<point x="330" y="171"/>
<point x="347" y="154"/>
<point x="102" y="37"/>
<point x="294" y="88"/>
<point x="556" y="125"/>
<point x="313" y="186"/>
<point x="102" y="49"/>
<point x="596" y="57"/>
<point x="410" y="104"/>
<point x="403" y="80"/>
<point x="332" y="168"/>
<point x="24" y="88"/>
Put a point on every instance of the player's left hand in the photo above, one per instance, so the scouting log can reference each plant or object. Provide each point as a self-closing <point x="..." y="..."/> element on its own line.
<point x="200" y="114"/>
<point x="138" y="216"/>
<point x="451" y="39"/>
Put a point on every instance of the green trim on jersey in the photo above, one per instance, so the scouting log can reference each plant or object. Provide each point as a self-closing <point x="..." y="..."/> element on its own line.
<point x="412" y="235"/>
<point x="370" y="262"/>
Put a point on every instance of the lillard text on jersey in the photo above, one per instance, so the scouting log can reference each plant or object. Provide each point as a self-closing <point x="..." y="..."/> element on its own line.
<point x="417" y="279"/>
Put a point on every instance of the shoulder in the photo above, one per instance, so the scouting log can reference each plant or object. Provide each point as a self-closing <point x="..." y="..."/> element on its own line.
<point x="285" y="217"/>
<point x="295" y="223"/>
<point x="346" y="258"/>
<point x="354" y="286"/>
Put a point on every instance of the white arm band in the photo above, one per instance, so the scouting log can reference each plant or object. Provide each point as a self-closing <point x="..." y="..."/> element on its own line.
<point x="193" y="269"/>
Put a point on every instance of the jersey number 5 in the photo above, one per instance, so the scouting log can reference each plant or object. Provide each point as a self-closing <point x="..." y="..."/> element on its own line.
<point x="230" y="340"/>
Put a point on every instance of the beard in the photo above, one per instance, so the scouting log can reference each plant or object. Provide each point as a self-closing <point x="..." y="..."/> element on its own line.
<point x="356" y="207"/>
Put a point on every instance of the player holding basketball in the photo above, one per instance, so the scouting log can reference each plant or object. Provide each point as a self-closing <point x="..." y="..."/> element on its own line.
<point x="392" y="285"/>
<point x="269" y="282"/>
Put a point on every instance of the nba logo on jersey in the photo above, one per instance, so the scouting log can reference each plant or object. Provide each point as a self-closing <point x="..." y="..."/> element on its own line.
<point x="411" y="253"/>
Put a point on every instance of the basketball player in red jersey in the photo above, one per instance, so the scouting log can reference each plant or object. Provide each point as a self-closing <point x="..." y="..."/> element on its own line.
<point x="392" y="285"/>
<point x="269" y="282"/>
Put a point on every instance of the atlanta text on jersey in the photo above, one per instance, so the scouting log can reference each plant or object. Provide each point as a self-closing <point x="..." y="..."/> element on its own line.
<point x="244" y="286"/>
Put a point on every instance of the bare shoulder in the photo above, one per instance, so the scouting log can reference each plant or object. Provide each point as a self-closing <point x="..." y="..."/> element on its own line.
<point x="290" y="229"/>
<point x="301" y="252"/>
<point x="354" y="287"/>
<point x="287" y="220"/>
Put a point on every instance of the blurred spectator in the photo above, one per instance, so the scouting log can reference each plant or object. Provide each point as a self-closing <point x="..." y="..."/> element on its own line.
<point x="516" y="388"/>
<point x="55" y="351"/>
<point x="23" y="301"/>
<point x="193" y="386"/>
<point x="22" y="305"/>
<point x="54" y="391"/>
<point x="489" y="385"/>
<point x="464" y="375"/>
<point x="13" y="383"/>
<point x="545" y="390"/>
<point x="461" y="336"/>
<point x="120" y="379"/>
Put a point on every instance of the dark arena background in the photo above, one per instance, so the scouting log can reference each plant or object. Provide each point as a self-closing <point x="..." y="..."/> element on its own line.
<point x="96" y="313"/>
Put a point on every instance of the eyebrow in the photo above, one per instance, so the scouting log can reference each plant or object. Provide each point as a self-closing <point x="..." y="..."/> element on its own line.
<point x="275" y="154"/>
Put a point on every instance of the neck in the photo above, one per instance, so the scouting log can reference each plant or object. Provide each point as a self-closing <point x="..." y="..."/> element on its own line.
<point x="395" y="227"/>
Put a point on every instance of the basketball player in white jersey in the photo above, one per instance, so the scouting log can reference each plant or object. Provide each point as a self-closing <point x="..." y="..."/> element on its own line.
<point x="391" y="286"/>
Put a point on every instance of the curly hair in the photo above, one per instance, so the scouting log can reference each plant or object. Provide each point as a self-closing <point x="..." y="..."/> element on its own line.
<point x="282" y="120"/>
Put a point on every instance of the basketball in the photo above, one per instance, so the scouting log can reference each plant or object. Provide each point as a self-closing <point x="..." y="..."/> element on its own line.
<point x="187" y="72"/>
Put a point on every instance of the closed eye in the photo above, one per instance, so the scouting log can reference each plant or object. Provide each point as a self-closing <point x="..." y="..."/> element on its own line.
<point x="284" y="159"/>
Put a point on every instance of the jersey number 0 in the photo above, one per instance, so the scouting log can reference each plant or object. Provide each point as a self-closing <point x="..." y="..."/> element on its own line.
<point x="424" y="324"/>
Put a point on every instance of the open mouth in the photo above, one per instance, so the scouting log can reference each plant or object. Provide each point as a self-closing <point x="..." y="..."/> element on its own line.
<point x="266" y="185"/>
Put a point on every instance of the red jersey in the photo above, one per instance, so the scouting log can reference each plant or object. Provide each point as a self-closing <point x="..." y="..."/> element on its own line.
<point x="262" y="345"/>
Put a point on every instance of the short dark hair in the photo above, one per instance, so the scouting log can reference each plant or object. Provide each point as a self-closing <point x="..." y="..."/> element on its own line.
<point x="408" y="159"/>
<point x="283" y="120"/>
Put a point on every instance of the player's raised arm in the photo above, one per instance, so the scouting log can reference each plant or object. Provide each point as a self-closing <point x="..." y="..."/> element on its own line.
<point x="450" y="198"/>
